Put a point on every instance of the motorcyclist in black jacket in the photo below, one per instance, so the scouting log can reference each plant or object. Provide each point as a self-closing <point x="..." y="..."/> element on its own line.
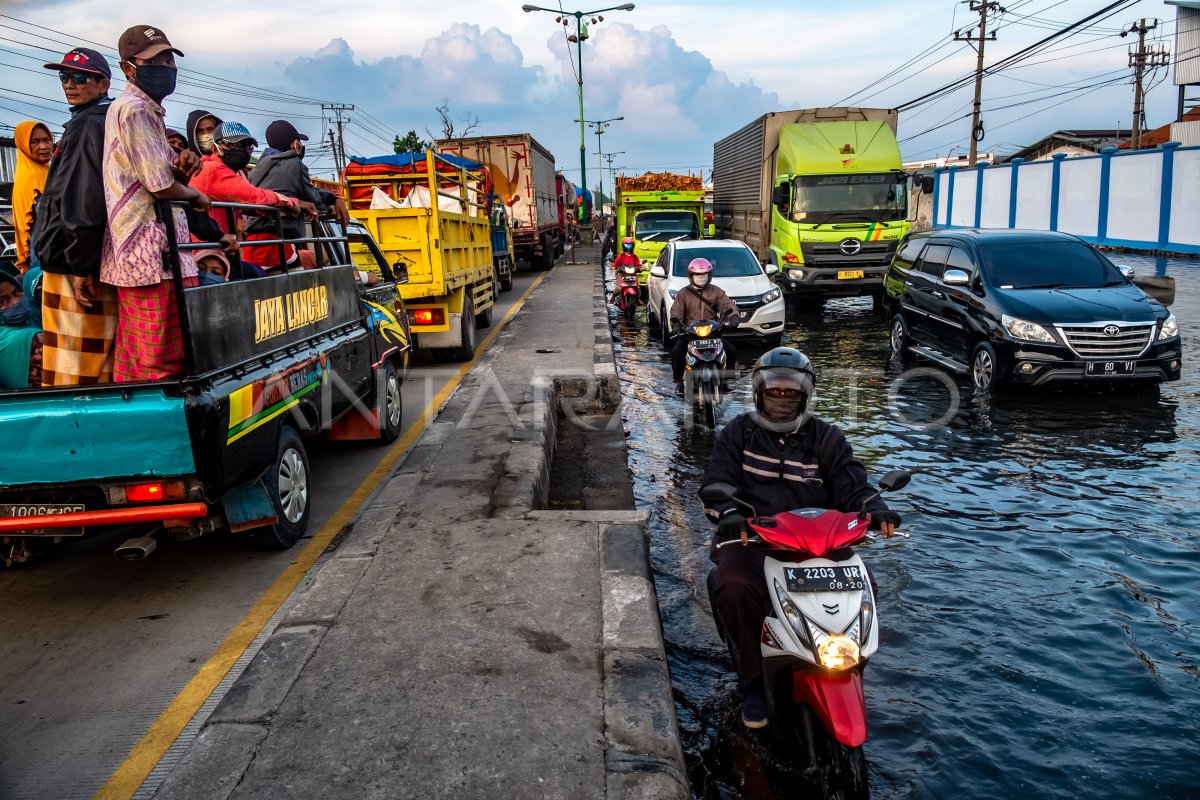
<point x="781" y="458"/>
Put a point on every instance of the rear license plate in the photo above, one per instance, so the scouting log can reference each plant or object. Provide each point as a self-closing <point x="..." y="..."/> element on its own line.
<point x="1101" y="369"/>
<point x="849" y="274"/>
<point x="38" y="509"/>
<point x="824" y="579"/>
<point x="19" y="510"/>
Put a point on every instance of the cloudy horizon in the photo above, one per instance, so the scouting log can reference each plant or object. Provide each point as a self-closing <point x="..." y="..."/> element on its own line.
<point x="682" y="74"/>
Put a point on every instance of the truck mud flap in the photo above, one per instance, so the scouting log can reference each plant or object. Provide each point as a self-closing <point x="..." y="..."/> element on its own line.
<point x="249" y="507"/>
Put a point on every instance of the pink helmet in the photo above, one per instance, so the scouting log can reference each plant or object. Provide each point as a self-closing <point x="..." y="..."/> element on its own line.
<point x="699" y="266"/>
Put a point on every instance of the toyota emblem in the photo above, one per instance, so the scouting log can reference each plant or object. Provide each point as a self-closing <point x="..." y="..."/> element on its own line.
<point x="1111" y="330"/>
<point x="850" y="247"/>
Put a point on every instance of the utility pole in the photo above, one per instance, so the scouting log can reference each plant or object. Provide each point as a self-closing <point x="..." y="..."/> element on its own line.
<point x="983" y="8"/>
<point x="612" y="175"/>
<point x="339" y="146"/>
<point x="1140" y="59"/>
<point x="600" y="125"/>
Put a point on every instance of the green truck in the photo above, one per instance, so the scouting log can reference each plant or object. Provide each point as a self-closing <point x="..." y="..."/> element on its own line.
<point x="657" y="208"/>
<point x="818" y="192"/>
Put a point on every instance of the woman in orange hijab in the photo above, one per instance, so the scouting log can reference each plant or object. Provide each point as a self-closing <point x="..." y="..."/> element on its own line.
<point x="35" y="146"/>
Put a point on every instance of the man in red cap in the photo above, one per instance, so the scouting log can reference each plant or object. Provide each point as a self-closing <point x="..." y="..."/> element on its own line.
<point x="140" y="168"/>
<point x="79" y="313"/>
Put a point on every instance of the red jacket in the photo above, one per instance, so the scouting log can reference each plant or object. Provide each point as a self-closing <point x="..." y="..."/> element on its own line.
<point x="221" y="183"/>
<point x="626" y="258"/>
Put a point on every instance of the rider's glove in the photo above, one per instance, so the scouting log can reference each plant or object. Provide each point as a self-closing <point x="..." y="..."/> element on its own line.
<point x="886" y="515"/>
<point x="731" y="526"/>
<point x="676" y="328"/>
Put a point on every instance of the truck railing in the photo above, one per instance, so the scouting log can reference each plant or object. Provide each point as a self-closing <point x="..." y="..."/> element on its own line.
<point x="460" y="178"/>
<point x="337" y="244"/>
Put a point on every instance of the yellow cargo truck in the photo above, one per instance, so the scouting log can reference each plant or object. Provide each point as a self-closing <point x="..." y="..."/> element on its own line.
<point x="428" y="213"/>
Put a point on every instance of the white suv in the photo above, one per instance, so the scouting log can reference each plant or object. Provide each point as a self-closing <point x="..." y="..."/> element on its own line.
<point x="736" y="270"/>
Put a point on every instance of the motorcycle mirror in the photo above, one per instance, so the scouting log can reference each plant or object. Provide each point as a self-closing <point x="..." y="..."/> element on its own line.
<point x="896" y="479"/>
<point x="718" y="492"/>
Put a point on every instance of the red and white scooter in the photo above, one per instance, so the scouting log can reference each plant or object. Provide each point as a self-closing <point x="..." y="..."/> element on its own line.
<point x="823" y="628"/>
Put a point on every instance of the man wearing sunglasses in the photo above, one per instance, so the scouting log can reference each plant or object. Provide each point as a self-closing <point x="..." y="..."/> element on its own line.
<point x="79" y="313"/>
<point x="780" y="457"/>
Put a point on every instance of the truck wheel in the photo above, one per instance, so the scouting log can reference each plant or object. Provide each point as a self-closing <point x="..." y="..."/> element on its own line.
<point x="390" y="403"/>
<point x="287" y="485"/>
<point x="506" y="278"/>
<point x="877" y="302"/>
<point x="484" y="318"/>
<point x="465" y="351"/>
<point x="547" y="254"/>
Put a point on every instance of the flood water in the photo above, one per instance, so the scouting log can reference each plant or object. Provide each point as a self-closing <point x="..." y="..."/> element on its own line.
<point x="1040" y="630"/>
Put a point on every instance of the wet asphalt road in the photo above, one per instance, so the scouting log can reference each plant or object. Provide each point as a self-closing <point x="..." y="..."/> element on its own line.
<point x="93" y="649"/>
<point x="1040" y="628"/>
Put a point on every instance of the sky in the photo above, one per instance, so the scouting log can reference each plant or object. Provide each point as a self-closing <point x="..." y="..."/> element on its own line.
<point x="682" y="74"/>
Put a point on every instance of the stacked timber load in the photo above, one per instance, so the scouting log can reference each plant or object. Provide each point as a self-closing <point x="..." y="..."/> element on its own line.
<point x="660" y="182"/>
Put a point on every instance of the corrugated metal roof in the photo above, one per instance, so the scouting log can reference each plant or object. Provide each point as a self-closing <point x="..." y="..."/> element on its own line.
<point x="1184" y="3"/>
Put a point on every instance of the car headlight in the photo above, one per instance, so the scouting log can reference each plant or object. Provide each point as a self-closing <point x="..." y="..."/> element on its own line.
<point x="672" y="292"/>
<point x="771" y="296"/>
<point x="1169" y="329"/>
<point x="838" y="652"/>
<point x="792" y="614"/>
<point x="1024" y="329"/>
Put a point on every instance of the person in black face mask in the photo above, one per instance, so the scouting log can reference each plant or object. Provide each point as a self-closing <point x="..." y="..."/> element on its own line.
<point x="222" y="176"/>
<point x="781" y="458"/>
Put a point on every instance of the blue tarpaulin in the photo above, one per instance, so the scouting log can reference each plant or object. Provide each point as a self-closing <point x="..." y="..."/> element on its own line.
<point x="402" y="160"/>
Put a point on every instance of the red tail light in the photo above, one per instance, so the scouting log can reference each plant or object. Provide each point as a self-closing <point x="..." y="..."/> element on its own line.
<point x="153" y="492"/>
<point x="429" y="316"/>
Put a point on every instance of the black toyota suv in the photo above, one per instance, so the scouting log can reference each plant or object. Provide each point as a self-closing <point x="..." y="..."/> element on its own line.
<point x="1026" y="307"/>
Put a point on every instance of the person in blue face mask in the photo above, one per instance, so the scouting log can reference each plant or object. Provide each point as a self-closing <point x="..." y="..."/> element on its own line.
<point x="20" y="338"/>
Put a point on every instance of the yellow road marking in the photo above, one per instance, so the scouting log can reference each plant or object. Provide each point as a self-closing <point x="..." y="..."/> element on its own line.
<point x="145" y="755"/>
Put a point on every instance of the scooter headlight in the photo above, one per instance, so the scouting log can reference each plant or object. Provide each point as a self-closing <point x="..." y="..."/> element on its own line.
<point x="703" y="330"/>
<point x="793" y="616"/>
<point x="838" y="652"/>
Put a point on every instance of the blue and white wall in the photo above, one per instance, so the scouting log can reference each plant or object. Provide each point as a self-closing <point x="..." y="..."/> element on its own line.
<point x="1148" y="199"/>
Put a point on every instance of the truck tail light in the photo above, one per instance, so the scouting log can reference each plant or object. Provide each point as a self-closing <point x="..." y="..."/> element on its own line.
<point x="428" y="316"/>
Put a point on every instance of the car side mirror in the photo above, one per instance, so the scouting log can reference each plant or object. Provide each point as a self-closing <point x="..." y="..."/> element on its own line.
<point x="892" y="481"/>
<point x="956" y="277"/>
<point x="780" y="196"/>
<point x="658" y="272"/>
<point x="718" y="492"/>
<point x="771" y="269"/>
<point x="400" y="273"/>
<point x="1126" y="270"/>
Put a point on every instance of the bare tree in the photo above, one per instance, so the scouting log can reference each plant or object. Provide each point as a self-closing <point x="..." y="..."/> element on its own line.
<point x="450" y="129"/>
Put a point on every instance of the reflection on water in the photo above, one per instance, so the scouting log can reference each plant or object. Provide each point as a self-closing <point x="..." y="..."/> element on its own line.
<point x="1039" y="628"/>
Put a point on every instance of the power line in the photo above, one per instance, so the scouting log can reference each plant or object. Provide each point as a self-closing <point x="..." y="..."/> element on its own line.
<point x="1021" y="54"/>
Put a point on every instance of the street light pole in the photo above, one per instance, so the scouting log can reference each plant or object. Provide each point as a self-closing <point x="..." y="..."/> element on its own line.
<point x="578" y="37"/>
<point x="600" y="125"/>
